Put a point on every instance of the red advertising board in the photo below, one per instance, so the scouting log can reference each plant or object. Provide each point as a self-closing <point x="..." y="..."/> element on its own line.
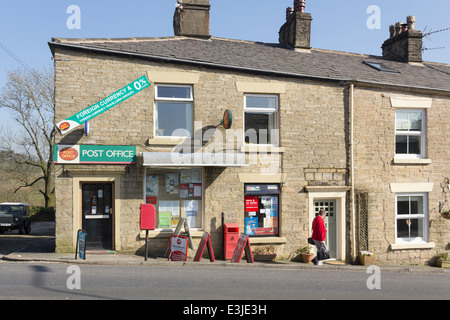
<point x="251" y="203"/>
<point x="243" y="244"/>
<point x="178" y="248"/>
<point x="205" y="241"/>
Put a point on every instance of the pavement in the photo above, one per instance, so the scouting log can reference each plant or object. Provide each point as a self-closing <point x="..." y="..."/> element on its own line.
<point x="40" y="243"/>
<point x="112" y="258"/>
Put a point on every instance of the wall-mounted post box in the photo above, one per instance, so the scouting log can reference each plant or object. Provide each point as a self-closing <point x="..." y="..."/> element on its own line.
<point x="148" y="217"/>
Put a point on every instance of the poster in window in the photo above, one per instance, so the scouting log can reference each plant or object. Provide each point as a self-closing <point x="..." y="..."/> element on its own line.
<point x="191" y="205"/>
<point x="164" y="219"/>
<point x="191" y="216"/>
<point x="250" y="225"/>
<point x="196" y="176"/>
<point x="172" y="183"/>
<point x="251" y="203"/>
<point x="151" y="186"/>
<point x="190" y="210"/>
<point x="151" y="200"/>
<point x="170" y="206"/>
<point x="197" y="190"/>
<point x="184" y="190"/>
<point x="174" y="221"/>
<point x="185" y="176"/>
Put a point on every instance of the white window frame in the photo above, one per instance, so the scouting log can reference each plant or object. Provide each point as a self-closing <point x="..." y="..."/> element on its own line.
<point x="424" y="217"/>
<point x="175" y="100"/>
<point x="275" y="110"/>
<point x="421" y="134"/>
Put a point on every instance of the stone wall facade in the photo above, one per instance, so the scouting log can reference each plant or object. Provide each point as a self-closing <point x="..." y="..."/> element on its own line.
<point x="311" y="162"/>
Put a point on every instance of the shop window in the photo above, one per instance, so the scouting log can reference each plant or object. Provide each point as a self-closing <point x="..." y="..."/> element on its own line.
<point x="262" y="209"/>
<point x="175" y="194"/>
<point x="261" y="119"/>
<point x="173" y="111"/>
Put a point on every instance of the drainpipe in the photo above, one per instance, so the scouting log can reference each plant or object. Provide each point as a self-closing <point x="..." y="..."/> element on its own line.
<point x="352" y="172"/>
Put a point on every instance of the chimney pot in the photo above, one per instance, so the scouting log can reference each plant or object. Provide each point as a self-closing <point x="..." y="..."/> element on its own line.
<point x="411" y="22"/>
<point x="404" y="27"/>
<point x="299" y="5"/>
<point x="398" y="28"/>
<point x="391" y="31"/>
<point x="289" y="11"/>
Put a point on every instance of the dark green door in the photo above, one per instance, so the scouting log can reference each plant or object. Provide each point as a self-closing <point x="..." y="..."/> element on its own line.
<point x="97" y="211"/>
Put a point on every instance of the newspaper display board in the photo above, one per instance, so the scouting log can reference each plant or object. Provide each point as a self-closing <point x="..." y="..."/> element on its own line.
<point x="205" y="241"/>
<point x="243" y="244"/>
<point x="178" y="248"/>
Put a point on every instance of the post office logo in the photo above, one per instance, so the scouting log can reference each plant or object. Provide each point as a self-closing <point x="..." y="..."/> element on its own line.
<point x="64" y="126"/>
<point x="68" y="154"/>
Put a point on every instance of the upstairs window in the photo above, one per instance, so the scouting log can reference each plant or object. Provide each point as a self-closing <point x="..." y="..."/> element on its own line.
<point x="173" y="111"/>
<point x="261" y="119"/>
<point x="410" y="133"/>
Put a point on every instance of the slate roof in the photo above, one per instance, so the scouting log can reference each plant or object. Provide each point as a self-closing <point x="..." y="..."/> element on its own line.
<point x="247" y="56"/>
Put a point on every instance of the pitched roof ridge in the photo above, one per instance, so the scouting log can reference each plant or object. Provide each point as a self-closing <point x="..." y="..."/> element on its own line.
<point x="131" y="39"/>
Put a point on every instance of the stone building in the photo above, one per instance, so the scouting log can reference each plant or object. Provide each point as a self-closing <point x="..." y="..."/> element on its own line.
<point x="364" y="137"/>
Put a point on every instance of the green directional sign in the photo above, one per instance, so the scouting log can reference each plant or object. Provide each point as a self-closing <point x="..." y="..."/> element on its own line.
<point x="103" y="105"/>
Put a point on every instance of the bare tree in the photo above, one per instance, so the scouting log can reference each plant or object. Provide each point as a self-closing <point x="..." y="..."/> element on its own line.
<point x="29" y="96"/>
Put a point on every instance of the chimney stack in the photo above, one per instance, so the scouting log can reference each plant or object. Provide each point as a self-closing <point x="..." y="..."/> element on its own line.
<point x="405" y="42"/>
<point x="191" y="18"/>
<point x="296" y="32"/>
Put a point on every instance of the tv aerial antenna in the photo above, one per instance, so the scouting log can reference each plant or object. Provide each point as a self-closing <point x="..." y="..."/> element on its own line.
<point x="427" y="34"/>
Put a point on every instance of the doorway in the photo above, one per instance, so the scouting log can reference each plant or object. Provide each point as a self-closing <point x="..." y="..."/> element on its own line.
<point x="97" y="215"/>
<point x="329" y="205"/>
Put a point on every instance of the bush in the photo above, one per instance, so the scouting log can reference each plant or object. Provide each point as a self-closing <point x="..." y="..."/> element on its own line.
<point x="42" y="213"/>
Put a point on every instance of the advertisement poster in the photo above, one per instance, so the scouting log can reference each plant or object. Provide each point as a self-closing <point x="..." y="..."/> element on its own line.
<point x="164" y="219"/>
<point x="184" y="190"/>
<point x="251" y="203"/>
<point x="172" y="184"/>
<point x="250" y="226"/>
<point x="151" y="200"/>
<point x="178" y="248"/>
<point x="151" y="185"/>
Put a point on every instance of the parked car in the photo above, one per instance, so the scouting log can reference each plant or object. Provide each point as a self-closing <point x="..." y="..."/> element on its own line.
<point x="15" y="216"/>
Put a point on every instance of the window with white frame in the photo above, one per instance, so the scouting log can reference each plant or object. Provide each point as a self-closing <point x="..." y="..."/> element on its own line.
<point x="173" y="110"/>
<point x="410" y="133"/>
<point x="411" y="217"/>
<point x="261" y="119"/>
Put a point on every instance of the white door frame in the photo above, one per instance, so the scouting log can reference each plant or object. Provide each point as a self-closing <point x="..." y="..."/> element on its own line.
<point x="338" y="194"/>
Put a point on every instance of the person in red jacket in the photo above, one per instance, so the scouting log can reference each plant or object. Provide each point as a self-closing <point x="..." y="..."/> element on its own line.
<point x="319" y="233"/>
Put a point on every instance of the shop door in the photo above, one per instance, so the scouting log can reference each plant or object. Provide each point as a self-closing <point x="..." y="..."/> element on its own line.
<point x="97" y="215"/>
<point x="329" y="205"/>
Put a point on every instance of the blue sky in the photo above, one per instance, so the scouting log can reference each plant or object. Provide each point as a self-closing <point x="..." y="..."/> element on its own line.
<point x="27" y="25"/>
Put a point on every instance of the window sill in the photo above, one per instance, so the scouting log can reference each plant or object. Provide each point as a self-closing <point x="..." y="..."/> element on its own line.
<point x="166" y="234"/>
<point x="416" y="245"/>
<point x="267" y="240"/>
<point x="412" y="161"/>
<point x="261" y="148"/>
<point x="166" y="141"/>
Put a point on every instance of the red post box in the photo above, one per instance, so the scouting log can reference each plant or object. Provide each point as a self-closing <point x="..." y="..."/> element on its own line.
<point x="148" y="217"/>
<point x="231" y="237"/>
